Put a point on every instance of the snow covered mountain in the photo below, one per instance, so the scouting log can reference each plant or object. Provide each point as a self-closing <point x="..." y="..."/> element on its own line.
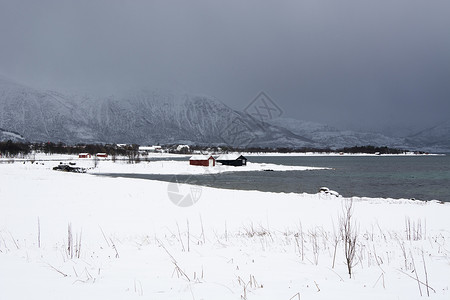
<point x="150" y="117"/>
<point x="144" y="117"/>
<point x="329" y="136"/>
<point x="6" y="135"/>
<point x="36" y="115"/>
<point x="155" y="117"/>
<point x="434" y="139"/>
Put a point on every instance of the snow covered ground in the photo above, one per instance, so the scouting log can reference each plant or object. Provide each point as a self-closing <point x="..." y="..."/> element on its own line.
<point x="39" y="156"/>
<point x="80" y="236"/>
<point x="183" y="168"/>
<point x="158" y="163"/>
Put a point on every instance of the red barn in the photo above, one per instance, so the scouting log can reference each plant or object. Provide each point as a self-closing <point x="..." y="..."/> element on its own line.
<point x="104" y="155"/>
<point x="84" y="155"/>
<point x="202" y="160"/>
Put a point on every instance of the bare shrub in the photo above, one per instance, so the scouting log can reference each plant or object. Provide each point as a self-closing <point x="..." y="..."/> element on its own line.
<point x="73" y="247"/>
<point x="414" y="229"/>
<point x="349" y="234"/>
<point x="313" y="234"/>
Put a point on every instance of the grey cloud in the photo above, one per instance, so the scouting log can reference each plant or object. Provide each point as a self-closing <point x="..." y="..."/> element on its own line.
<point x="357" y="64"/>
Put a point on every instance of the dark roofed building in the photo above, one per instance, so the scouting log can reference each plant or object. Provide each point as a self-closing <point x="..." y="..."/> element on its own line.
<point x="232" y="160"/>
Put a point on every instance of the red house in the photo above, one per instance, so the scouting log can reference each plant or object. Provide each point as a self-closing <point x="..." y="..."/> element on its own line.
<point x="202" y="160"/>
<point x="84" y="155"/>
<point x="104" y="155"/>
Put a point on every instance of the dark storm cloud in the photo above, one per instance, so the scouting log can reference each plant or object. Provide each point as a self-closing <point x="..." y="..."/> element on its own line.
<point x="360" y="64"/>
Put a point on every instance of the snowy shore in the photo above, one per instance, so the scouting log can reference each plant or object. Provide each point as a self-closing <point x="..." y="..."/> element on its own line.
<point x="128" y="240"/>
<point x="183" y="168"/>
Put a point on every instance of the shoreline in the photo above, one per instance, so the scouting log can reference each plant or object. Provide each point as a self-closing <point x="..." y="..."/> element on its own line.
<point x="340" y="197"/>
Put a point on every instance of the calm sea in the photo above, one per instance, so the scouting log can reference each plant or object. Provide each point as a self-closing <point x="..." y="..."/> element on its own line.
<point x="419" y="177"/>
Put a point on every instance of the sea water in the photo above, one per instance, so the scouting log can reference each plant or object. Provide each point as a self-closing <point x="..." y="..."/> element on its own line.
<point x="420" y="177"/>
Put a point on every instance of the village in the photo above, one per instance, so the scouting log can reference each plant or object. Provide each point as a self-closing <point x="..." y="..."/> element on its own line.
<point x="198" y="159"/>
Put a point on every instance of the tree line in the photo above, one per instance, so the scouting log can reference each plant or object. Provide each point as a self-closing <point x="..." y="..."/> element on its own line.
<point x="14" y="149"/>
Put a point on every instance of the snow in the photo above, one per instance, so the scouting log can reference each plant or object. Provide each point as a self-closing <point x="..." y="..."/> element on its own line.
<point x="12" y="135"/>
<point x="136" y="244"/>
<point x="326" y="191"/>
<point x="183" y="168"/>
<point x="200" y="157"/>
<point x="233" y="156"/>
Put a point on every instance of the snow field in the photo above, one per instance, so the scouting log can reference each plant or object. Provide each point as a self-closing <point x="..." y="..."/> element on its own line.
<point x="72" y="236"/>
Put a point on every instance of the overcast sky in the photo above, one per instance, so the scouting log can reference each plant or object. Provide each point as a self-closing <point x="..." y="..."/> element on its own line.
<point x="354" y="64"/>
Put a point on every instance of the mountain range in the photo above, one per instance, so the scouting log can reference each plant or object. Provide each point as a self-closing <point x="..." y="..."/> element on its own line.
<point x="150" y="117"/>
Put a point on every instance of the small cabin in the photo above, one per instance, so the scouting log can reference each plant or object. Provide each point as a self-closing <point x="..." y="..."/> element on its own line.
<point x="202" y="160"/>
<point x="84" y="155"/>
<point x="102" y="155"/>
<point x="232" y="160"/>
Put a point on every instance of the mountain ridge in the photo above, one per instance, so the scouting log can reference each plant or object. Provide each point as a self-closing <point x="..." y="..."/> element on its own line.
<point x="153" y="116"/>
